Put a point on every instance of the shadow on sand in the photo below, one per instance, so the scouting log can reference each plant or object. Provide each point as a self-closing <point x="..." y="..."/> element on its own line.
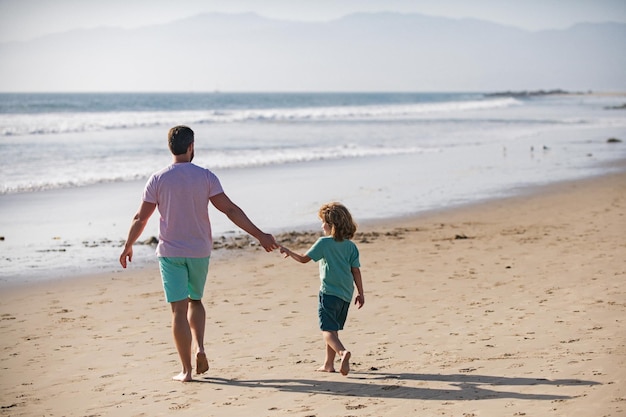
<point x="366" y="384"/>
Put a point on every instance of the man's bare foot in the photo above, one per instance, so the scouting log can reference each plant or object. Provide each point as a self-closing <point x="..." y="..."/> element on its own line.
<point x="183" y="377"/>
<point x="325" y="369"/>
<point x="345" y="362"/>
<point x="202" y="364"/>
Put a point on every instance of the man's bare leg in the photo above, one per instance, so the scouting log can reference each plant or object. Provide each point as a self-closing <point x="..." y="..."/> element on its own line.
<point x="197" y="321"/>
<point x="182" y="338"/>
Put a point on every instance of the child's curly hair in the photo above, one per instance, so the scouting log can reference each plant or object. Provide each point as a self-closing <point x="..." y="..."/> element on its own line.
<point x="340" y="220"/>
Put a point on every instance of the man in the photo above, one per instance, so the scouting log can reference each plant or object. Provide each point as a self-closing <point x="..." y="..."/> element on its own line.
<point x="181" y="192"/>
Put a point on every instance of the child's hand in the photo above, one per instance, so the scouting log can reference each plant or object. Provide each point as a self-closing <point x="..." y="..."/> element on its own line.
<point x="359" y="300"/>
<point x="294" y="255"/>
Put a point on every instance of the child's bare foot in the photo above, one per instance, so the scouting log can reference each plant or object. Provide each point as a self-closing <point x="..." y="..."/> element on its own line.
<point x="202" y="364"/>
<point x="325" y="369"/>
<point x="183" y="377"/>
<point x="345" y="362"/>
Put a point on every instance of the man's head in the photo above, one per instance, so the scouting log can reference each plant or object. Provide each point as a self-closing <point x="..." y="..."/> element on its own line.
<point x="179" y="138"/>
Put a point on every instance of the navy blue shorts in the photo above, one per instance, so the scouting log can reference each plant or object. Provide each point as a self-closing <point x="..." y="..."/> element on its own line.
<point x="332" y="312"/>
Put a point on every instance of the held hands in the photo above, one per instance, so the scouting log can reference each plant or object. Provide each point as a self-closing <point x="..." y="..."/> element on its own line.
<point x="268" y="242"/>
<point x="285" y="251"/>
<point x="359" y="300"/>
<point x="293" y="255"/>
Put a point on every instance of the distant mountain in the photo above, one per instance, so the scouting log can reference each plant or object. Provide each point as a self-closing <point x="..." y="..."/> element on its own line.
<point x="360" y="52"/>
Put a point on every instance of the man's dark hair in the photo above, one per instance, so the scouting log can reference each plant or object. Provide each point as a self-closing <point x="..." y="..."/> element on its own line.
<point x="179" y="138"/>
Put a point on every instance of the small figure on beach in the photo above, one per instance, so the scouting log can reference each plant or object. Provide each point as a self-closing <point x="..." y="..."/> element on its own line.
<point x="182" y="192"/>
<point x="340" y="271"/>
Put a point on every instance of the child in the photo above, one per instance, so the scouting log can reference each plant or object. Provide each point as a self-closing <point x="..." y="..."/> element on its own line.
<point x="339" y="272"/>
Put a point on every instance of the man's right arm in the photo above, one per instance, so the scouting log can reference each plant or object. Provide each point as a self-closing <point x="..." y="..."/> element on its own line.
<point x="136" y="229"/>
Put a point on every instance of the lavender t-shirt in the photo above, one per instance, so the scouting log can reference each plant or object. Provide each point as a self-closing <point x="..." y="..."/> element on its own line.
<point x="181" y="192"/>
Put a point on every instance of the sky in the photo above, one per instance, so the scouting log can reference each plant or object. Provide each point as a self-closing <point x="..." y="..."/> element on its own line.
<point x="71" y="63"/>
<point x="27" y="19"/>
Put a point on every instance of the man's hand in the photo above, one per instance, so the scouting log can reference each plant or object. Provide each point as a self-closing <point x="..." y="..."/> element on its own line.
<point x="268" y="242"/>
<point x="126" y="254"/>
<point x="136" y="228"/>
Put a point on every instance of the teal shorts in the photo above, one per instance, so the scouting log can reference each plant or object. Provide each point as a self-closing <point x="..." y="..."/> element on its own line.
<point x="183" y="277"/>
<point x="332" y="312"/>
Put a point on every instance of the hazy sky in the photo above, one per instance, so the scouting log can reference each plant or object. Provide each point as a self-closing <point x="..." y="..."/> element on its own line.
<point x="26" y="19"/>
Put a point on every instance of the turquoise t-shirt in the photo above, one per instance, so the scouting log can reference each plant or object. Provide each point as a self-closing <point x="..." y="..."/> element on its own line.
<point x="335" y="261"/>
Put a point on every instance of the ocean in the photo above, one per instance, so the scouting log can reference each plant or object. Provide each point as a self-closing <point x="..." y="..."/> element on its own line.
<point x="73" y="166"/>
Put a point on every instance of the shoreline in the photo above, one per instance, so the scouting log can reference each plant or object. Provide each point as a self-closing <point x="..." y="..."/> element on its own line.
<point x="228" y="244"/>
<point x="511" y="307"/>
<point x="57" y="233"/>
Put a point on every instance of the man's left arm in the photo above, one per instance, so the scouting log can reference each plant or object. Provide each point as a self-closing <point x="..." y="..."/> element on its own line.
<point x="238" y="217"/>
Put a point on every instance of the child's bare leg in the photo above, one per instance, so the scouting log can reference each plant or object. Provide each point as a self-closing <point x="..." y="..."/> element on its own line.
<point x="329" y="361"/>
<point x="345" y="362"/>
<point x="332" y="340"/>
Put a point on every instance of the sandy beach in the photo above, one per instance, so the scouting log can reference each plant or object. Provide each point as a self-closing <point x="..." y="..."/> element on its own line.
<point x="514" y="307"/>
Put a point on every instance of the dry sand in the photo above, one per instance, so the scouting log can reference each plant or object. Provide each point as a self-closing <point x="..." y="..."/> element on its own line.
<point x="510" y="308"/>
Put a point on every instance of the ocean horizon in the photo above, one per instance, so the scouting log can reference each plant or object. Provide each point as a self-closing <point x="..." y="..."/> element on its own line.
<point x="73" y="166"/>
